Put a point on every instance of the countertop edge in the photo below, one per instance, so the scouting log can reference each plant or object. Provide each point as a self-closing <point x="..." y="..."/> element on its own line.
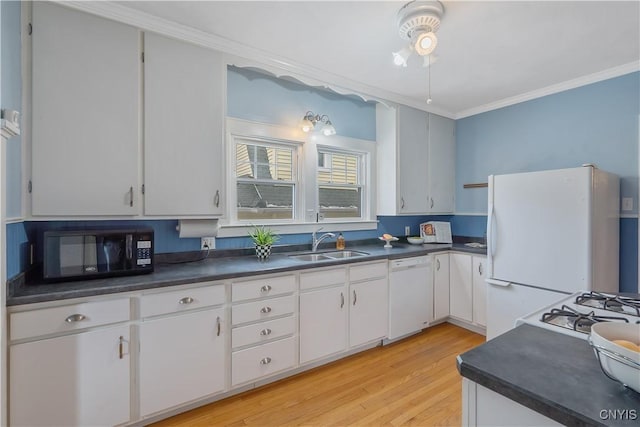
<point x="525" y="398"/>
<point x="89" y="288"/>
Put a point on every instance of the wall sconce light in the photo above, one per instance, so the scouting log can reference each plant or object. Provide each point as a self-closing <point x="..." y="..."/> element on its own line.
<point x="310" y="120"/>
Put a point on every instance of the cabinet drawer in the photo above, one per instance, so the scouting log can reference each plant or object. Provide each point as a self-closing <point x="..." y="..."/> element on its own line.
<point x="256" y="362"/>
<point x="368" y="271"/>
<point x="263" y="331"/>
<point x="181" y="300"/>
<point x="261" y="310"/>
<point x="269" y="286"/>
<point x="68" y="318"/>
<point x="320" y="278"/>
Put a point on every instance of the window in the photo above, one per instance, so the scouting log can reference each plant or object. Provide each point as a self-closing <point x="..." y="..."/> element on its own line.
<point x="339" y="183"/>
<point x="265" y="181"/>
<point x="290" y="180"/>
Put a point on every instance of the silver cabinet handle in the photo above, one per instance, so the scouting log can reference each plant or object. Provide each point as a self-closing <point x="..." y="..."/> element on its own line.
<point x="121" y="352"/>
<point x="75" y="318"/>
<point x="431" y="201"/>
<point x="437" y="264"/>
<point x="218" y="326"/>
<point x="401" y="202"/>
<point x="355" y="297"/>
<point x="265" y="288"/>
<point x="265" y="332"/>
<point x="265" y="361"/>
<point x="265" y="310"/>
<point x="131" y="196"/>
<point x="480" y="268"/>
<point x="186" y="300"/>
<point x="216" y="199"/>
<point x="341" y="300"/>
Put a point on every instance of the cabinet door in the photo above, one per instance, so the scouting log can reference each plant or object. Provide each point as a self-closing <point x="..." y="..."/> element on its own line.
<point x="442" y="164"/>
<point x="323" y="323"/>
<point x="441" y="287"/>
<point x="479" y="291"/>
<point x="86" y="90"/>
<point x="368" y="311"/>
<point x="460" y="292"/>
<point x="75" y="380"/>
<point x="413" y="154"/>
<point x="181" y="359"/>
<point x="183" y="93"/>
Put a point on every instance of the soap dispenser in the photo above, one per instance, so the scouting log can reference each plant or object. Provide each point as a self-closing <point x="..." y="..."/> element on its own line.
<point x="340" y="244"/>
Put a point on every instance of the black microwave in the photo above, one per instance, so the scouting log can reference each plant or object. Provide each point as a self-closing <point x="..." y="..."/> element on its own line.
<point x="89" y="254"/>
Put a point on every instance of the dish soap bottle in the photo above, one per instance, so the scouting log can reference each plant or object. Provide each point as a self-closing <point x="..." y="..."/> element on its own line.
<point x="340" y="242"/>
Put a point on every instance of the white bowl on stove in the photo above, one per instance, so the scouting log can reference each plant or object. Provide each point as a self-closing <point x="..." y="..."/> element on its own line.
<point x="619" y="362"/>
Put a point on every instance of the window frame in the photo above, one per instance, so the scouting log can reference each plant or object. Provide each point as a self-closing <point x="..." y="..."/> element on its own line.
<point x="306" y="204"/>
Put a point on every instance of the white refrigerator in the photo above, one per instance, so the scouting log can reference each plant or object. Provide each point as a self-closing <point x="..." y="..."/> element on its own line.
<point x="549" y="234"/>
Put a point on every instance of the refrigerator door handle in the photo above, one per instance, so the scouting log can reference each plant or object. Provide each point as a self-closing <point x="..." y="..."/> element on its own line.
<point x="491" y="232"/>
<point x="497" y="282"/>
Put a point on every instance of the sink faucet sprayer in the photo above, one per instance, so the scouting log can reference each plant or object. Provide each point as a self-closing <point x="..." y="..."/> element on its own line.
<point x="316" y="242"/>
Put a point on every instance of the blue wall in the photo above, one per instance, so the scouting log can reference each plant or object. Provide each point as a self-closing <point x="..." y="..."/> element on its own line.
<point x="597" y="123"/>
<point x="261" y="98"/>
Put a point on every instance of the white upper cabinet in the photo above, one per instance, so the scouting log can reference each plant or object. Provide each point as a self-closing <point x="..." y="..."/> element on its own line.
<point x="183" y="155"/>
<point x="413" y="156"/>
<point x="86" y="91"/>
<point x="416" y="162"/>
<point x="442" y="164"/>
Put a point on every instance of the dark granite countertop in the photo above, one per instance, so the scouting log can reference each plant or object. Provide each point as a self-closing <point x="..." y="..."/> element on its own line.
<point x="552" y="373"/>
<point x="217" y="268"/>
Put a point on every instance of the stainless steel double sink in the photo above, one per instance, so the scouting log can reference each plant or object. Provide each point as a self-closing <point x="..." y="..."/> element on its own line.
<point x="324" y="256"/>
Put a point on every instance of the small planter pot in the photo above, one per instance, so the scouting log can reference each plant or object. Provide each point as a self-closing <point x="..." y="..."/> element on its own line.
<point x="263" y="252"/>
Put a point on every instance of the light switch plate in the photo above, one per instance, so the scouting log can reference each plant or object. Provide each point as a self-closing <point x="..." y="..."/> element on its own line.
<point x="407" y="230"/>
<point x="627" y="204"/>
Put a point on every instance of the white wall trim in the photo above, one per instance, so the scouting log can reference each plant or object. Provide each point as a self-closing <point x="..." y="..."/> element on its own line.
<point x="550" y="90"/>
<point x="470" y="213"/>
<point x="629" y="216"/>
<point x="242" y="230"/>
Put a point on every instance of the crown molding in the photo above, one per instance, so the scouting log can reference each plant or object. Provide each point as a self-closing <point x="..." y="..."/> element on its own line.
<point x="245" y="56"/>
<point x="550" y="90"/>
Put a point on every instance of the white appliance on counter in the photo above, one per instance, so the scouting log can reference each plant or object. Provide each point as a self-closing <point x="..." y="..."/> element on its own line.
<point x="410" y="289"/>
<point x="549" y="234"/>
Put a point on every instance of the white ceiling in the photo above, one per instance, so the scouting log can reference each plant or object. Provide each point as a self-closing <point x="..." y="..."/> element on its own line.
<point x="489" y="54"/>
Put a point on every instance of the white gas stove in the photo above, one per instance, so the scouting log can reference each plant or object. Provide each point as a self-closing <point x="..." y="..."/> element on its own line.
<point x="574" y="314"/>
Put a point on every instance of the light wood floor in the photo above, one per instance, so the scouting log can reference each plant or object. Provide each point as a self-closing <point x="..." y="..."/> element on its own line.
<point x="411" y="382"/>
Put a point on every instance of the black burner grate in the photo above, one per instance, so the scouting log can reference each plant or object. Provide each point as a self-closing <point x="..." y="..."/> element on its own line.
<point x="567" y="317"/>
<point x="615" y="303"/>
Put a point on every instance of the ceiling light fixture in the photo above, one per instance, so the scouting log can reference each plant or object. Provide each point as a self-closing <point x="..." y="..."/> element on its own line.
<point x="418" y="22"/>
<point x="310" y="120"/>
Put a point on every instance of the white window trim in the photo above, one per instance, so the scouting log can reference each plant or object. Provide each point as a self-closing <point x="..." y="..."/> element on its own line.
<point x="307" y="165"/>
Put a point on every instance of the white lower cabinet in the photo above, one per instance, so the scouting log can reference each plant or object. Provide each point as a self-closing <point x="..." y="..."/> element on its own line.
<point x="182" y="358"/>
<point x="484" y="407"/>
<point x="440" y="287"/>
<point x="468" y="288"/>
<point x="264" y="333"/>
<point x="479" y="290"/>
<point x="74" y="380"/>
<point x="323" y="322"/>
<point x="369" y="302"/>
<point x="368" y="311"/>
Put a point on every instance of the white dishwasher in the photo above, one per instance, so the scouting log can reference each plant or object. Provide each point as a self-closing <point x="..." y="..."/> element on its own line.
<point x="410" y="295"/>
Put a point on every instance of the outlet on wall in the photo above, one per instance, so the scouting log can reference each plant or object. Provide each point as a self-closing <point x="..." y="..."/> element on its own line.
<point x="627" y="204"/>
<point x="407" y="230"/>
<point x="208" y="243"/>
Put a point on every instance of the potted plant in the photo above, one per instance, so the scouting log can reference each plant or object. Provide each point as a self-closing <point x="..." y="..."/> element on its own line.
<point x="263" y="238"/>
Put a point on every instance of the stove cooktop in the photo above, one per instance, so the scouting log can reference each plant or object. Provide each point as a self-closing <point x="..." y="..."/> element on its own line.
<point x="574" y="315"/>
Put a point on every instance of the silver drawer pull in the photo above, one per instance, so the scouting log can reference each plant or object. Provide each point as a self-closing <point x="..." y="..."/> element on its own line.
<point x="265" y="288"/>
<point x="75" y="318"/>
<point x="265" y="332"/>
<point x="265" y="361"/>
<point x="265" y="310"/>
<point x="186" y="300"/>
